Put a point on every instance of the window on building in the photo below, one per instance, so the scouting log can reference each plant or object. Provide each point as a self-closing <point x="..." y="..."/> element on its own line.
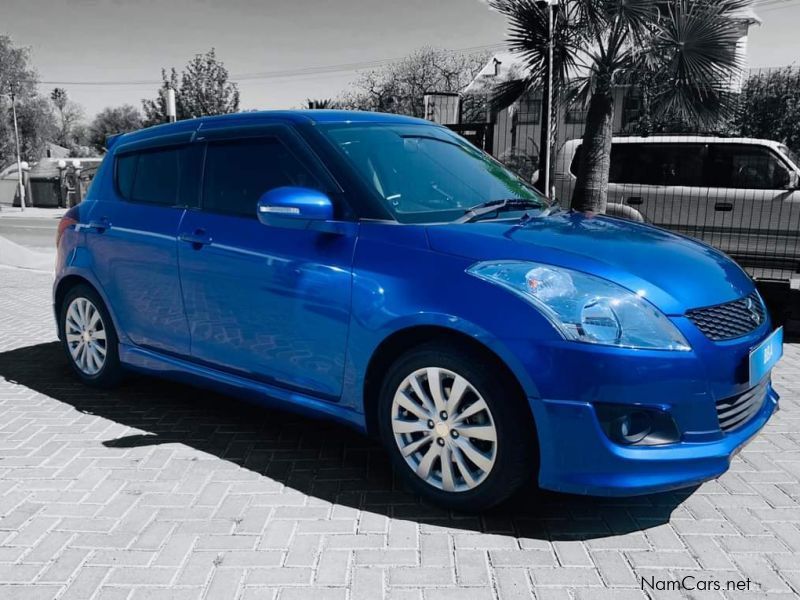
<point x="575" y="115"/>
<point x="632" y="110"/>
<point x="530" y="110"/>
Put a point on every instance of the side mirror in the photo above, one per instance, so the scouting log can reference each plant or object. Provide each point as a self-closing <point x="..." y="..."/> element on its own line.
<point x="794" y="181"/>
<point x="294" y="207"/>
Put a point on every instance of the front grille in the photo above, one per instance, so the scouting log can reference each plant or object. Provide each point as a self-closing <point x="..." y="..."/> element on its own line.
<point x="730" y="320"/>
<point x="735" y="411"/>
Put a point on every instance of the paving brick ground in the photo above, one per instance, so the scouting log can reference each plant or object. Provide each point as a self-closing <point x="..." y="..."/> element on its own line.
<point x="161" y="491"/>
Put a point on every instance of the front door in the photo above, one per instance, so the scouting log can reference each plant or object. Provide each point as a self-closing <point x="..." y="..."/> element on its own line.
<point x="752" y="182"/>
<point x="270" y="303"/>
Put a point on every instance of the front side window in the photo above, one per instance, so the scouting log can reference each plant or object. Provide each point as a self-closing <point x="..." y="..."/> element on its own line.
<point x="424" y="173"/>
<point x="237" y="173"/>
<point x="746" y="167"/>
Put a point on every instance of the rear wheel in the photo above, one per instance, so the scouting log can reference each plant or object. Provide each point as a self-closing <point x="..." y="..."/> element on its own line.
<point x="455" y="427"/>
<point x="89" y="339"/>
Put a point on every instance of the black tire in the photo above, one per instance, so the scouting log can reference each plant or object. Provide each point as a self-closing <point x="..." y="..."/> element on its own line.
<point x="111" y="371"/>
<point x="515" y="460"/>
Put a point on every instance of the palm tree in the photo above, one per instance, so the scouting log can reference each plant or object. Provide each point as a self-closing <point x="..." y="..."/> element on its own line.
<point x="682" y="53"/>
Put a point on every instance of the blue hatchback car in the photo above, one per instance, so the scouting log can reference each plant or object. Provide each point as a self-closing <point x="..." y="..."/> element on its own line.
<point x="381" y="271"/>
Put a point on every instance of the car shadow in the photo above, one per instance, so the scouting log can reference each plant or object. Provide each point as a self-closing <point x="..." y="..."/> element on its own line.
<point x="318" y="458"/>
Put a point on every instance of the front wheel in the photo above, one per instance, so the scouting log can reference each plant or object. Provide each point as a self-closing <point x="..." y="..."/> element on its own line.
<point x="456" y="427"/>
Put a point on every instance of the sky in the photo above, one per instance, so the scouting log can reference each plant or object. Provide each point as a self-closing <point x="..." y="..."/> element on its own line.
<point x="131" y="40"/>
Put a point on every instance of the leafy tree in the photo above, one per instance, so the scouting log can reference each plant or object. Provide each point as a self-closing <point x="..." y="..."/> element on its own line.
<point x="69" y="116"/>
<point x="770" y="107"/>
<point x="113" y="120"/>
<point x="683" y="50"/>
<point x="400" y="87"/>
<point x="37" y="126"/>
<point x="17" y="77"/>
<point x="202" y="88"/>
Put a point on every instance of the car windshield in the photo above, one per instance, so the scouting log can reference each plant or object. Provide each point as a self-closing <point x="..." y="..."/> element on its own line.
<point x="424" y="173"/>
<point x="789" y="154"/>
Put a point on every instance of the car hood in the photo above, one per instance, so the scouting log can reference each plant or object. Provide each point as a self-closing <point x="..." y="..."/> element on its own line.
<point x="674" y="272"/>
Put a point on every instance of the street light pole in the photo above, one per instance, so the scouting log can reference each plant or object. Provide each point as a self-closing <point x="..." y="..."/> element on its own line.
<point x="549" y="146"/>
<point x="546" y="129"/>
<point x="19" y="157"/>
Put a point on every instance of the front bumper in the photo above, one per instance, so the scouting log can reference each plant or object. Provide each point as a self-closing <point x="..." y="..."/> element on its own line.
<point x="577" y="457"/>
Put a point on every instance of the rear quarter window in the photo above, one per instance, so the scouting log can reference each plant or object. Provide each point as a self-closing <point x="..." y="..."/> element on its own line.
<point x="150" y="176"/>
<point x="126" y="169"/>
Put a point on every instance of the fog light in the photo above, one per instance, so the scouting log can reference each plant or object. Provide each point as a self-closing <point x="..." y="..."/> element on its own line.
<point x="632" y="428"/>
<point x="636" y="425"/>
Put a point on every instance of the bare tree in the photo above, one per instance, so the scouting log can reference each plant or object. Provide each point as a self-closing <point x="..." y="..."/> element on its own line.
<point x="400" y="87"/>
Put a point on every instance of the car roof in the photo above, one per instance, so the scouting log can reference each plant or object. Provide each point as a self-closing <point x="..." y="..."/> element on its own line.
<point x="266" y="117"/>
<point x="683" y="138"/>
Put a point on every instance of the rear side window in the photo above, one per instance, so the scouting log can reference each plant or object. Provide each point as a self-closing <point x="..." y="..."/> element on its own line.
<point x="676" y="164"/>
<point x="237" y="173"/>
<point x="150" y="176"/>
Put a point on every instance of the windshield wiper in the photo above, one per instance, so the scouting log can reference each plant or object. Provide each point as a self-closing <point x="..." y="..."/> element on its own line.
<point x="509" y="204"/>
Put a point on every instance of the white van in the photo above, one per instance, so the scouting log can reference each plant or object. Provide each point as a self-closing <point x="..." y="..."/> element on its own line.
<point x="738" y="194"/>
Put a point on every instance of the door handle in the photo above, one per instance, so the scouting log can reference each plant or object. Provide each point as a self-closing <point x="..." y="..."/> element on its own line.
<point x="723" y="206"/>
<point x="197" y="239"/>
<point x="100" y="225"/>
<point x="634" y="201"/>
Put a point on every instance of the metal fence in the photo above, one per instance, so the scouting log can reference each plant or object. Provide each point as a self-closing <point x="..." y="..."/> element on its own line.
<point x="733" y="184"/>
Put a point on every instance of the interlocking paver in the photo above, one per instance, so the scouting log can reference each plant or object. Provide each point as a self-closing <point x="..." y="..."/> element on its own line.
<point x="157" y="490"/>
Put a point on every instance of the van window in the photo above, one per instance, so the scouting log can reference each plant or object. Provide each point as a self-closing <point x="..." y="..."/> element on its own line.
<point x="679" y="164"/>
<point x="746" y="167"/>
<point x="237" y="174"/>
<point x="149" y="176"/>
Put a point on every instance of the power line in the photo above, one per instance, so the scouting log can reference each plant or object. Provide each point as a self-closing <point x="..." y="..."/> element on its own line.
<point x="281" y="74"/>
<point x="770" y="5"/>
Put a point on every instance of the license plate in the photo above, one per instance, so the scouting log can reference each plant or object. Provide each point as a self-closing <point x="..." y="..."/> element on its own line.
<point x="764" y="356"/>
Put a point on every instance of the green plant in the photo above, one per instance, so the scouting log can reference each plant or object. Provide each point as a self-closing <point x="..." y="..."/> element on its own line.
<point x="683" y="52"/>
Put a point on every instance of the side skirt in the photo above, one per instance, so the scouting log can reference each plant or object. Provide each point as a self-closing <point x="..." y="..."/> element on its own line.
<point x="153" y="363"/>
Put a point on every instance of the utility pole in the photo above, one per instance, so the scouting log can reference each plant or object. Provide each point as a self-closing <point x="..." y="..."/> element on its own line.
<point x="19" y="157"/>
<point x="546" y="130"/>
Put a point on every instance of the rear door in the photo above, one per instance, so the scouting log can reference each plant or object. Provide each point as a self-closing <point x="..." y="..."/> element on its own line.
<point x="132" y="237"/>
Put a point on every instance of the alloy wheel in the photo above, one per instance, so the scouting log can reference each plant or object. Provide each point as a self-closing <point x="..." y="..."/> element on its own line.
<point x="86" y="336"/>
<point x="444" y="429"/>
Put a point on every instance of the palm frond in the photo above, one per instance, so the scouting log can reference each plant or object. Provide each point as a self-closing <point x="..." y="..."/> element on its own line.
<point x="695" y="49"/>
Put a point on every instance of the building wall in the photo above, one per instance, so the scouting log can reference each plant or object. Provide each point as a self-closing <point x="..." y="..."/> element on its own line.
<point x="513" y="137"/>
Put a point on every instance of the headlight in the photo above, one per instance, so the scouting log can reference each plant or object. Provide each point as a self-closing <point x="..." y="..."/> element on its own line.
<point x="585" y="308"/>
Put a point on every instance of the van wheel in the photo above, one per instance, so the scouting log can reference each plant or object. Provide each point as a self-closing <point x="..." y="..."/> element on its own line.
<point x="89" y="339"/>
<point x="455" y="427"/>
